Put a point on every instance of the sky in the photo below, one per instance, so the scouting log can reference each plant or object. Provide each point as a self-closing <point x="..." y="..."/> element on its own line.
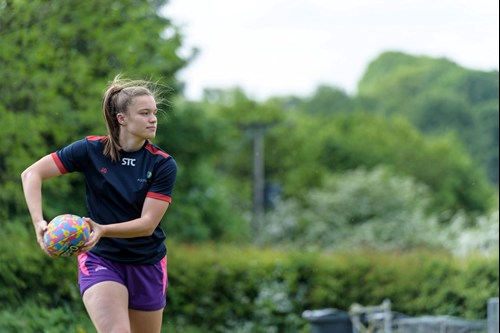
<point x="289" y="47"/>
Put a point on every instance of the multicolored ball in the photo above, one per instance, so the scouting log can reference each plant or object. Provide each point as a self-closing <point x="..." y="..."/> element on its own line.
<point x="66" y="234"/>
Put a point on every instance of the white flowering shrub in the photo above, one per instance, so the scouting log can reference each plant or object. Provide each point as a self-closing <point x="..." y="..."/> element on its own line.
<point x="466" y="235"/>
<point x="360" y="208"/>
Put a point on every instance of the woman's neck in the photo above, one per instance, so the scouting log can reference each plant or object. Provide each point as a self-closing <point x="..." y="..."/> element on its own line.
<point x="131" y="144"/>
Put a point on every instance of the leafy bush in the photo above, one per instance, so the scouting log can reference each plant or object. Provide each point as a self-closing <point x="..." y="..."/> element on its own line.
<point x="483" y="237"/>
<point x="221" y="288"/>
<point x="27" y="273"/>
<point x="372" y="209"/>
<point x="34" y="318"/>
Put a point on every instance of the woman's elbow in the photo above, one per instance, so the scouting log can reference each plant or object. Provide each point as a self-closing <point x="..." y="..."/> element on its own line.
<point x="30" y="175"/>
<point x="148" y="229"/>
<point x="149" y="232"/>
<point x="25" y="175"/>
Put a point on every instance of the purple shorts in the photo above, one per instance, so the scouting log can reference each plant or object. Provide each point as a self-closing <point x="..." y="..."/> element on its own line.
<point x="146" y="284"/>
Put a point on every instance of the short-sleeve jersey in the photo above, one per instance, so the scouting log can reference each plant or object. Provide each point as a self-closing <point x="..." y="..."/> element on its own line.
<point x="116" y="192"/>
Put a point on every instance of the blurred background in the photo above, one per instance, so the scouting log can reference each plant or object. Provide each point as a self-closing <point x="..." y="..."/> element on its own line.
<point x="329" y="154"/>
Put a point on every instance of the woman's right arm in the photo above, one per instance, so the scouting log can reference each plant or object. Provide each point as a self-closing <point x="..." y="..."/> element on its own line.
<point x="32" y="179"/>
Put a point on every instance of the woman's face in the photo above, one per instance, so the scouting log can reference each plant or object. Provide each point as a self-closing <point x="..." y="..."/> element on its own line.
<point x="140" y="120"/>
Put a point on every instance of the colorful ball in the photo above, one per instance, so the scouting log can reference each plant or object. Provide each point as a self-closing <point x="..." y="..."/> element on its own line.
<point x="66" y="234"/>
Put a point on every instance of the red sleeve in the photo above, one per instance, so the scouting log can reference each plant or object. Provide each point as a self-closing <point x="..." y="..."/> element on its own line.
<point x="159" y="196"/>
<point x="59" y="163"/>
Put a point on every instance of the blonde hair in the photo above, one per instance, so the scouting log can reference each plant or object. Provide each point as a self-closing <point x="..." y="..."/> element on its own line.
<point x="116" y="99"/>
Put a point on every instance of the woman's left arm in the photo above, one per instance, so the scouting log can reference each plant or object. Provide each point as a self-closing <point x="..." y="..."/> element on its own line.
<point x="152" y="213"/>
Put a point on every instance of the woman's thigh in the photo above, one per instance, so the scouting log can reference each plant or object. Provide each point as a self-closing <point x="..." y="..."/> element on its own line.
<point x="145" y="321"/>
<point x="107" y="305"/>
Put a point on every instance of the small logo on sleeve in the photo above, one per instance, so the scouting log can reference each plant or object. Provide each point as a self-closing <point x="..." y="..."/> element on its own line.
<point x="149" y="175"/>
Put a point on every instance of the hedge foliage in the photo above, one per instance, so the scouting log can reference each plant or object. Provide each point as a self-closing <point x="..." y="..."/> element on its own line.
<point x="224" y="288"/>
<point x="218" y="283"/>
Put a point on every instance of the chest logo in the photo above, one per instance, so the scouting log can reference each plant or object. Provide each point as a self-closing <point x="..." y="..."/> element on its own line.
<point x="128" y="161"/>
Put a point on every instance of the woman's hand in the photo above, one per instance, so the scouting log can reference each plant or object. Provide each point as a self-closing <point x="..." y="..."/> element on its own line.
<point x="95" y="235"/>
<point x="40" y="228"/>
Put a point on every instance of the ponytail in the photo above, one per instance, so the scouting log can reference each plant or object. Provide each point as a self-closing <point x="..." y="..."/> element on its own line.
<point x="116" y="99"/>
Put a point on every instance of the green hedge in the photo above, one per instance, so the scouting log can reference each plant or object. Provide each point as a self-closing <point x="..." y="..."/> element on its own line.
<point x="223" y="288"/>
<point x="243" y="286"/>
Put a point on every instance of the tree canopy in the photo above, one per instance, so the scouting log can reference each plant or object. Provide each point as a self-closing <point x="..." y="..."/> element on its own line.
<point x="438" y="95"/>
<point x="56" y="58"/>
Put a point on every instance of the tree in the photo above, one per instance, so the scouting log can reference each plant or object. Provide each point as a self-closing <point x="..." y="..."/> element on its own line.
<point x="438" y="96"/>
<point x="315" y="147"/>
<point x="327" y="100"/>
<point x="486" y="141"/>
<point x="438" y="113"/>
<point x="207" y="210"/>
<point x="56" y="58"/>
<point x="395" y="79"/>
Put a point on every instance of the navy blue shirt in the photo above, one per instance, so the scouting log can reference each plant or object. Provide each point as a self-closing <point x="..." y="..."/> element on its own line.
<point x="116" y="192"/>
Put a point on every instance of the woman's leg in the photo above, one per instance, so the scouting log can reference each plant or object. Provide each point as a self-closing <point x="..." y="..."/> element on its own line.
<point x="147" y="296"/>
<point x="107" y="305"/>
<point x="145" y="321"/>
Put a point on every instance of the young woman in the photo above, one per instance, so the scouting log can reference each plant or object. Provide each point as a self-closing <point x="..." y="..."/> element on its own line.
<point x="129" y="183"/>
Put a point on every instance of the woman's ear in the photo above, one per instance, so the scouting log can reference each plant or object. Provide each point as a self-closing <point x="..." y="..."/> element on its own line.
<point x="121" y="119"/>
